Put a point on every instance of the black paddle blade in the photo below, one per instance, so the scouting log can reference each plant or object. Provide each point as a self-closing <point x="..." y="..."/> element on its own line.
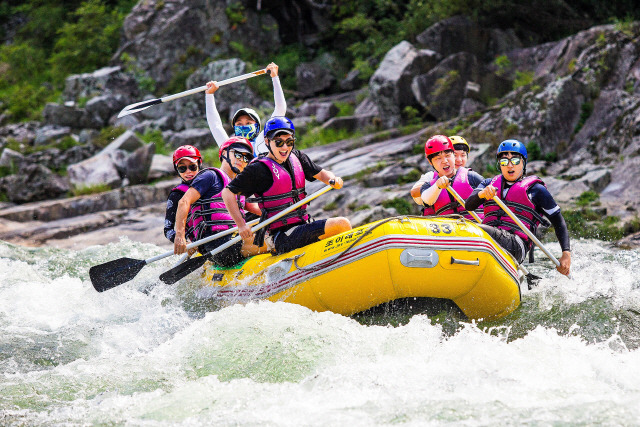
<point x="532" y="280"/>
<point x="134" y="108"/>
<point x="178" y="272"/>
<point x="113" y="273"/>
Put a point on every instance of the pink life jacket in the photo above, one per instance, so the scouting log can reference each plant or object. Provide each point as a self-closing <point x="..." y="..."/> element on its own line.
<point x="211" y="213"/>
<point x="282" y="193"/>
<point x="446" y="204"/>
<point x="518" y="201"/>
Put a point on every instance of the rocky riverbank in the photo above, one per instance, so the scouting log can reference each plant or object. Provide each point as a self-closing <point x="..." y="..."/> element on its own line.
<point x="575" y="102"/>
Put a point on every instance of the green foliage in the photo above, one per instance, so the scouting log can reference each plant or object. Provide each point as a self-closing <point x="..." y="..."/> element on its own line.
<point x="145" y="82"/>
<point x="356" y="207"/>
<point x="586" y="223"/>
<point x="330" y="206"/>
<point x="587" y="198"/>
<point x="572" y="65"/>
<point x="235" y="14"/>
<point x="523" y="78"/>
<point x="411" y="115"/>
<point x="503" y="64"/>
<point x="154" y="136"/>
<point x="108" y="135"/>
<point x="402" y="206"/>
<point x="625" y="25"/>
<point x="534" y="152"/>
<point x="90" y="189"/>
<point x="210" y="156"/>
<point x="87" y="42"/>
<point x="412" y="176"/>
<point x="345" y="109"/>
<point x="319" y="136"/>
<point x="585" y="112"/>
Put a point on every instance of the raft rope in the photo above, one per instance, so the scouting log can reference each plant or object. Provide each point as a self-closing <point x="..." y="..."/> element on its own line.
<point x="355" y="242"/>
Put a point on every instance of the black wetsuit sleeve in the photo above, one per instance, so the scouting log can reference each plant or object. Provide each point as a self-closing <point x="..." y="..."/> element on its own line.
<point x="170" y="215"/>
<point x="546" y="205"/>
<point x="475" y="179"/>
<point x="309" y="167"/>
<point x="474" y="201"/>
<point x="255" y="178"/>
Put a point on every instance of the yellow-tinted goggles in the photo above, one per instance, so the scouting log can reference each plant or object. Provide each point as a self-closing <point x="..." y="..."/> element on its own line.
<point x="514" y="161"/>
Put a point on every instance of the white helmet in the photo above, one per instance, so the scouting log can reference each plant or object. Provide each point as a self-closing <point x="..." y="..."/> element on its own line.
<point x="246" y="112"/>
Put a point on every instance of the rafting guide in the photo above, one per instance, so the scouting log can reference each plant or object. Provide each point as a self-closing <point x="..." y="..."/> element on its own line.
<point x="527" y="198"/>
<point x="278" y="180"/>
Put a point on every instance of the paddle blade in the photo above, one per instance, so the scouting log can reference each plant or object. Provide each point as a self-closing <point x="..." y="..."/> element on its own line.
<point x="178" y="272"/>
<point x="113" y="273"/>
<point x="139" y="106"/>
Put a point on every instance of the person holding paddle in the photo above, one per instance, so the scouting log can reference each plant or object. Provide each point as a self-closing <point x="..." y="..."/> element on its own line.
<point x="201" y="211"/>
<point x="278" y="181"/>
<point x="440" y="152"/>
<point x="461" y="153"/>
<point x="245" y="122"/>
<point x="527" y="198"/>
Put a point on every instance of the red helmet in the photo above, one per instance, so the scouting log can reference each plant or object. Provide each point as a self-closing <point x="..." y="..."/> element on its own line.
<point x="248" y="148"/>
<point x="187" y="151"/>
<point x="436" y="144"/>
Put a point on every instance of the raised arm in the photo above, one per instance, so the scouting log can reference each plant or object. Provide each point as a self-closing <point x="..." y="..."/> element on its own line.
<point x="213" y="117"/>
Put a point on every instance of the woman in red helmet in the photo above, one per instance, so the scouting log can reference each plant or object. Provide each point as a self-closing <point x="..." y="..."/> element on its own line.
<point x="200" y="212"/>
<point x="439" y="150"/>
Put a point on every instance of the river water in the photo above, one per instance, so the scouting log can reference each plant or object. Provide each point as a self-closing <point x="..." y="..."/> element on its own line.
<point x="147" y="354"/>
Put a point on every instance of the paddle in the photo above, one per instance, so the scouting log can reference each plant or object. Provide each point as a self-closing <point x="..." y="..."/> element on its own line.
<point x="113" y="273"/>
<point x="528" y="232"/>
<point x="139" y="106"/>
<point x="532" y="279"/>
<point x="181" y="270"/>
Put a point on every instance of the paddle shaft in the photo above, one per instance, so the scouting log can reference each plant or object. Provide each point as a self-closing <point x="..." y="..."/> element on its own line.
<point x="273" y="219"/>
<point x="528" y="232"/>
<point x="220" y="83"/>
<point x="143" y="105"/>
<point x="199" y="242"/>
<point x="456" y="196"/>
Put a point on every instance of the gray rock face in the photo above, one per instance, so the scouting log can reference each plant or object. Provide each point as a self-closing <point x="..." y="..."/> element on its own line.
<point x="442" y="89"/>
<point x="200" y="138"/>
<point x="108" y="80"/>
<point x="164" y="37"/>
<point x="101" y="108"/>
<point x="97" y="170"/>
<point x="322" y="111"/>
<point x="63" y="115"/>
<point x="47" y="134"/>
<point x="312" y="79"/>
<point x="390" y="85"/>
<point x="460" y="34"/>
<point x="10" y="159"/>
<point x="139" y="163"/>
<point x="128" y="141"/>
<point x="34" y="182"/>
<point x="161" y="167"/>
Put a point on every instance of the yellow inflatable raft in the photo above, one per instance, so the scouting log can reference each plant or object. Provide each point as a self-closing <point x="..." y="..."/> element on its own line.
<point x="387" y="260"/>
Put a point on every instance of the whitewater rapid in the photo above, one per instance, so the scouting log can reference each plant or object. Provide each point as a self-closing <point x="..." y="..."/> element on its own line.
<point x="147" y="354"/>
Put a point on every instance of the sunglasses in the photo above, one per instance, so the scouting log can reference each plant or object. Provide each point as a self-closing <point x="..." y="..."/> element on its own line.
<point x="192" y="167"/>
<point x="514" y="161"/>
<point x="280" y="142"/>
<point x="241" y="157"/>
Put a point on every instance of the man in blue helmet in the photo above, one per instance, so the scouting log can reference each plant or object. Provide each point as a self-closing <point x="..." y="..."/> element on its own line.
<point x="278" y="181"/>
<point x="529" y="200"/>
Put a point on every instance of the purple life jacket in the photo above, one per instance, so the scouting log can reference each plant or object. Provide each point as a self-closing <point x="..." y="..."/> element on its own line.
<point x="283" y="194"/>
<point x="446" y="204"/>
<point x="518" y="201"/>
<point x="211" y="213"/>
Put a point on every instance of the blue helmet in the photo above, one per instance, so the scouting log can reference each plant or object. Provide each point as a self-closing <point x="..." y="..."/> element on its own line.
<point x="279" y="123"/>
<point x="513" y="146"/>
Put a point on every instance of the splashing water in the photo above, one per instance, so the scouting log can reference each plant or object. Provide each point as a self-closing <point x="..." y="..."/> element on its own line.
<point x="72" y="356"/>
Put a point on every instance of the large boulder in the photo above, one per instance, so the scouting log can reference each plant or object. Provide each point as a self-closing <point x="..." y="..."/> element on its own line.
<point x="68" y="115"/>
<point x="34" y="183"/>
<point x="128" y="141"/>
<point x="101" y="108"/>
<point x="98" y="170"/>
<point x="57" y="159"/>
<point x="139" y="163"/>
<point x="390" y="85"/>
<point x="442" y="89"/>
<point x="50" y="133"/>
<point x="166" y="37"/>
<point x="198" y="137"/>
<point x="10" y="159"/>
<point x="108" y="80"/>
<point x="312" y="79"/>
